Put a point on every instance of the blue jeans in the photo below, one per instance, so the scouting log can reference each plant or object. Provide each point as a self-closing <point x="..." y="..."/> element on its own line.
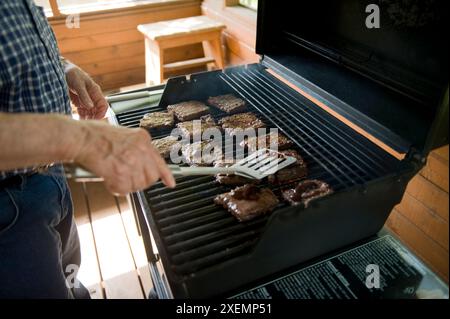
<point x="39" y="245"/>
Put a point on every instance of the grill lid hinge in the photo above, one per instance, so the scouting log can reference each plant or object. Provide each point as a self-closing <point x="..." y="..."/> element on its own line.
<point x="414" y="155"/>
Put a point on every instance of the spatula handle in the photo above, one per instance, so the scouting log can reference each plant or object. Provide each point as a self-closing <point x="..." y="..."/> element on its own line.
<point x="188" y="171"/>
<point x="81" y="174"/>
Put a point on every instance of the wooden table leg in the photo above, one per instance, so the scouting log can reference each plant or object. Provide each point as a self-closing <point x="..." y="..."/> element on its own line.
<point x="154" y="62"/>
<point x="215" y="47"/>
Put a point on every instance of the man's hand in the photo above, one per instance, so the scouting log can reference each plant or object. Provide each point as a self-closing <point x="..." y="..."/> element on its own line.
<point x="124" y="157"/>
<point x="85" y="94"/>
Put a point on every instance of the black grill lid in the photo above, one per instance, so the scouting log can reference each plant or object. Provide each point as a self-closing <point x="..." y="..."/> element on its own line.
<point x="391" y="81"/>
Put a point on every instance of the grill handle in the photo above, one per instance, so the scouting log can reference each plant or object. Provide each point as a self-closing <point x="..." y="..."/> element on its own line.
<point x="128" y="96"/>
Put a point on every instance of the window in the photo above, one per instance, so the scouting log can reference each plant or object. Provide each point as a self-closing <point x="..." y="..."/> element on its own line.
<point x="71" y="6"/>
<point x="242" y="9"/>
<point x="46" y="5"/>
<point x="252" y="4"/>
<point x="79" y="6"/>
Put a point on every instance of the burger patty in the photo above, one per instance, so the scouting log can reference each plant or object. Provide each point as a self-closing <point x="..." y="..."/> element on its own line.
<point x="189" y="110"/>
<point x="241" y="121"/>
<point x="307" y="191"/>
<point x="291" y="173"/>
<point x="164" y="145"/>
<point x="228" y="103"/>
<point x="205" y="122"/>
<point x="157" y="120"/>
<point x="248" y="202"/>
<point x="265" y="141"/>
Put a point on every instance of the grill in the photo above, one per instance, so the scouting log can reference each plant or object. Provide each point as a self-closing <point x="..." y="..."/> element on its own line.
<point x="203" y="251"/>
<point x="196" y="234"/>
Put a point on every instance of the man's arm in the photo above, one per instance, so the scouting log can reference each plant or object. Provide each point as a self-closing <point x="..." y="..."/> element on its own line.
<point x="124" y="157"/>
<point x="35" y="139"/>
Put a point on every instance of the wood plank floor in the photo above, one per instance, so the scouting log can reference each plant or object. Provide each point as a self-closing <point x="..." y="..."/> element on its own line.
<point x="114" y="263"/>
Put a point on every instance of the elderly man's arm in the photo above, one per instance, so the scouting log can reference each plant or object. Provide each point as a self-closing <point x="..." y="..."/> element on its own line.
<point x="124" y="157"/>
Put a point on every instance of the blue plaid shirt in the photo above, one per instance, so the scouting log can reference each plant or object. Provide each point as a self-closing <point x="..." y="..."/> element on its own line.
<point x="31" y="73"/>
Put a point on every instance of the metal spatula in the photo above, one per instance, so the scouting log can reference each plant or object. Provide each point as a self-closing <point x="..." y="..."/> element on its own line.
<point x="258" y="165"/>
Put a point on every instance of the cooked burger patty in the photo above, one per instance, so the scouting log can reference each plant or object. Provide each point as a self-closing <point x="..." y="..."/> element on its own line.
<point x="248" y="202"/>
<point x="232" y="179"/>
<point x="307" y="191"/>
<point x="189" y="110"/>
<point x="201" y="153"/>
<point x="206" y="122"/>
<point x="291" y="173"/>
<point x="264" y="141"/>
<point x="157" y="120"/>
<point x="228" y="103"/>
<point x="164" y="145"/>
<point x="241" y="121"/>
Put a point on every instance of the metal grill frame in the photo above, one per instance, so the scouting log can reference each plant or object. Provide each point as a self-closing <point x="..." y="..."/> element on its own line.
<point x="313" y="231"/>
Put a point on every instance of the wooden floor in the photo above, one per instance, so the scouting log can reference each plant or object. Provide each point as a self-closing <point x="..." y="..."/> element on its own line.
<point x="114" y="264"/>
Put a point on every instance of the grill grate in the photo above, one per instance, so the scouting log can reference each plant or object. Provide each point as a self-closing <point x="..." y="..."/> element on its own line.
<point x="196" y="233"/>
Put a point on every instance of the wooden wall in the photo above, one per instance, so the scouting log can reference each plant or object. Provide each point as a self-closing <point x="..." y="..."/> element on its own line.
<point x="421" y="219"/>
<point x="239" y="37"/>
<point x="108" y="46"/>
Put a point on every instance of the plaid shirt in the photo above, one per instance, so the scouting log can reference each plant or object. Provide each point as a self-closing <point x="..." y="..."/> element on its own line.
<point x="31" y="73"/>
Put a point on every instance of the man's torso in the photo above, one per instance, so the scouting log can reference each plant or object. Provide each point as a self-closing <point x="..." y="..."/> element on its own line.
<point x="31" y="75"/>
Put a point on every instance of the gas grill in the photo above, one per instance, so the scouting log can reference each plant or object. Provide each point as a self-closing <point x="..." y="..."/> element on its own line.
<point x="309" y="86"/>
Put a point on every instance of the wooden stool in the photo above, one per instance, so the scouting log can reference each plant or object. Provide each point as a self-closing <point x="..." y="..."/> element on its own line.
<point x="174" y="33"/>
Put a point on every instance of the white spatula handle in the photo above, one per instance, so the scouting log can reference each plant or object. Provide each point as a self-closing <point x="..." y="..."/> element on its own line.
<point x="188" y="171"/>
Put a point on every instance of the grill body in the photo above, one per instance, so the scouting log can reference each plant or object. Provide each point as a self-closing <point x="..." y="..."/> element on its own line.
<point x="205" y="252"/>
